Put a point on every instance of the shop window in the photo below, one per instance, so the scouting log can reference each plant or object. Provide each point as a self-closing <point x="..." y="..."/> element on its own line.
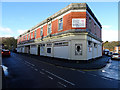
<point x="48" y="50"/>
<point x="95" y="45"/>
<point x="89" y="43"/>
<point x="60" y="24"/>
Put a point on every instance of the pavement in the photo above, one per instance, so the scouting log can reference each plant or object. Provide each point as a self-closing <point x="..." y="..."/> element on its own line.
<point x="82" y="65"/>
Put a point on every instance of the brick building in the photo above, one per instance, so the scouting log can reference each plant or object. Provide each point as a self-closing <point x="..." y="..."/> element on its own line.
<point x="72" y="33"/>
<point x="117" y="49"/>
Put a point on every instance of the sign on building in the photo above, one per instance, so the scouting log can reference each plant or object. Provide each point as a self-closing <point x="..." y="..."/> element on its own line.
<point x="78" y="49"/>
<point x="77" y="23"/>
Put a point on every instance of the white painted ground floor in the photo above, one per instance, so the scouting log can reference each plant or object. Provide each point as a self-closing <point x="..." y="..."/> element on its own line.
<point x="72" y="47"/>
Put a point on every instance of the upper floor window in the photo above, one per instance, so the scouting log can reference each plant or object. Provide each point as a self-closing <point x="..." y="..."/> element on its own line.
<point x="31" y="35"/>
<point x="41" y="32"/>
<point x="90" y="23"/>
<point x="49" y="28"/>
<point x="24" y="37"/>
<point x="35" y="33"/>
<point x="28" y="36"/>
<point x="95" y="28"/>
<point x="60" y="24"/>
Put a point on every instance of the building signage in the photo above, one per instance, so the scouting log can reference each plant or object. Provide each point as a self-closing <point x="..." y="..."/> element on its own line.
<point x="78" y="49"/>
<point x="78" y="22"/>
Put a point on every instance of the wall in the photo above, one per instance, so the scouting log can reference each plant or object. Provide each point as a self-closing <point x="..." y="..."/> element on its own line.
<point x="34" y="49"/>
<point x="61" y="52"/>
<point x="98" y="30"/>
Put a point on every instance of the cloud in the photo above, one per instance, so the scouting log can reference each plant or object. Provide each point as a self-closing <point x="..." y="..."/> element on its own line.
<point x="21" y="31"/>
<point x="106" y="26"/>
<point x="109" y="35"/>
<point x="6" y="30"/>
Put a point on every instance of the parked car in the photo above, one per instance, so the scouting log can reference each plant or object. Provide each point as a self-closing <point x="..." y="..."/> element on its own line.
<point x="5" y="52"/>
<point x="105" y="51"/>
<point x="110" y="54"/>
<point x="115" y="56"/>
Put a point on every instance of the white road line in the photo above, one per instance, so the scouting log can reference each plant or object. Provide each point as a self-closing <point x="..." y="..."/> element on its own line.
<point x="42" y="72"/>
<point x="62" y="84"/>
<point x="105" y="78"/>
<point x="50" y="77"/>
<point x="60" y="78"/>
<point x="36" y="69"/>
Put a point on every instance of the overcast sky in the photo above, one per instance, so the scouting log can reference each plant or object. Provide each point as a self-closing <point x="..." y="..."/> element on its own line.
<point x="18" y="17"/>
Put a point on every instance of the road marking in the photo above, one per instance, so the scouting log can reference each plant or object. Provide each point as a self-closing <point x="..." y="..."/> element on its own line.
<point x="105" y="78"/>
<point x="50" y="77"/>
<point x="62" y="84"/>
<point x="60" y="78"/>
<point x="42" y="72"/>
<point x="36" y="69"/>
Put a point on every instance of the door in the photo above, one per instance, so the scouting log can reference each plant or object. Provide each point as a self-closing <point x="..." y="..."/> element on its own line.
<point x="38" y="50"/>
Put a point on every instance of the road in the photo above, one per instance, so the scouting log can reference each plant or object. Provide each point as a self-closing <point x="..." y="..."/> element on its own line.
<point x="27" y="72"/>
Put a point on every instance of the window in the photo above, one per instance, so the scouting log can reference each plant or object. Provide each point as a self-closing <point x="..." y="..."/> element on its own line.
<point x="48" y="50"/>
<point x="95" y="45"/>
<point x="26" y="37"/>
<point x="35" y="33"/>
<point x="60" y="24"/>
<point x="31" y="35"/>
<point x="95" y="28"/>
<point x="90" y="24"/>
<point x="49" y="28"/>
<point x="89" y="43"/>
<point x="41" y="33"/>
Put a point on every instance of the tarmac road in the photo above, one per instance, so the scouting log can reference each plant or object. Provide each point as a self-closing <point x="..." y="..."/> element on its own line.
<point x="27" y="72"/>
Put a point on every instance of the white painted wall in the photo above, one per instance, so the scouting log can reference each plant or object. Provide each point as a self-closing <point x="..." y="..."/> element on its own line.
<point x="61" y="52"/>
<point x="19" y="49"/>
<point x="84" y="50"/>
<point x="43" y="50"/>
<point x="22" y="49"/>
<point x="99" y="50"/>
<point x="34" y="49"/>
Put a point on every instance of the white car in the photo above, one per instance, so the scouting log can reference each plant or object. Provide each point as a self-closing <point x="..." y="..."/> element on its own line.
<point x="115" y="56"/>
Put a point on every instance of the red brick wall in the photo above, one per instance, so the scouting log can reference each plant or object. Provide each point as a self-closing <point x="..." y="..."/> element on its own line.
<point x="98" y="31"/>
<point x="55" y="26"/>
<point x="67" y="24"/>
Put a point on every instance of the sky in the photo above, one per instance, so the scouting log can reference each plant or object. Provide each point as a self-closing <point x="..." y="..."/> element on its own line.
<point x="18" y="17"/>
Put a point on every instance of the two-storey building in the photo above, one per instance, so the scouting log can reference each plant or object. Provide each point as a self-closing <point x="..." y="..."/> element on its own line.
<point x="72" y="33"/>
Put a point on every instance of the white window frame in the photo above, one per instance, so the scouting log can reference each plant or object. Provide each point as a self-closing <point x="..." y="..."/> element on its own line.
<point x="59" y="29"/>
<point x="35" y="33"/>
<point x="49" y="24"/>
<point x="41" y="30"/>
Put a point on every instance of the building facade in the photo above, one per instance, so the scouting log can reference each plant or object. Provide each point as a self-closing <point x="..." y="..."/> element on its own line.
<point x="117" y="49"/>
<point x="72" y="33"/>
